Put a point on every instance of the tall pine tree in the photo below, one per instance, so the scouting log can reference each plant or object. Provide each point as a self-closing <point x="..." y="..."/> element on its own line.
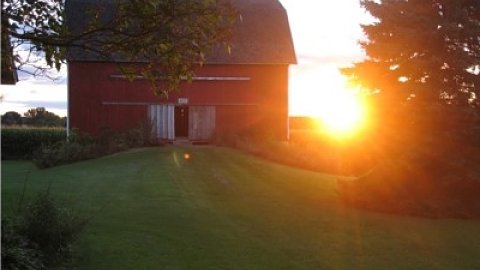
<point x="425" y="51"/>
<point x="422" y="68"/>
<point x="423" y="63"/>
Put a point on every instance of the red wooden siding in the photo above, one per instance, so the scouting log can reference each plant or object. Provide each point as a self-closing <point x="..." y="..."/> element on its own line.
<point x="96" y="100"/>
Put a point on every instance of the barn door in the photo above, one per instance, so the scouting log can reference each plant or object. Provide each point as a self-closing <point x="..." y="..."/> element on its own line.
<point x="181" y="121"/>
<point x="201" y="123"/>
<point x="162" y="119"/>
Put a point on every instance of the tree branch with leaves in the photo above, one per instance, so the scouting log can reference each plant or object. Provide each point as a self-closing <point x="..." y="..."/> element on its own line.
<point x="172" y="37"/>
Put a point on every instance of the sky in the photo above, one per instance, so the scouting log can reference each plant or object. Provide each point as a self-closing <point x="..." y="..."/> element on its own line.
<point x="325" y="35"/>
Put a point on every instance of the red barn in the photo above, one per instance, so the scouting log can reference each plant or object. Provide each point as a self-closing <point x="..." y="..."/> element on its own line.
<point x="230" y="93"/>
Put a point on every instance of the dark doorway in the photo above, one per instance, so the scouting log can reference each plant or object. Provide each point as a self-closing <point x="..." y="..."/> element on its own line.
<point x="181" y="121"/>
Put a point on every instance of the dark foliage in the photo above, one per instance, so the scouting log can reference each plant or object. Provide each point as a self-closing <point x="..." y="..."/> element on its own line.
<point x="39" y="117"/>
<point x="174" y="37"/>
<point x="422" y="73"/>
<point x="422" y="68"/>
<point x="430" y="179"/>
<point x="64" y="152"/>
<point x="11" y="118"/>
<point x="422" y="51"/>
<point x="41" y="236"/>
<point x="36" y="117"/>
<point x="83" y="146"/>
<point x="34" y="26"/>
<point x="52" y="229"/>
<point x="19" y="143"/>
<point x="309" y="149"/>
<point x="17" y="251"/>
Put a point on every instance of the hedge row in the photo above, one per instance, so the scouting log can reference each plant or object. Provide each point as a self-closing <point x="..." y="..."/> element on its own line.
<point x="83" y="146"/>
<point x="19" y="143"/>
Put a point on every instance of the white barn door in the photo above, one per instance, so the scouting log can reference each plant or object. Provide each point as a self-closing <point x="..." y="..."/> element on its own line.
<point x="162" y="120"/>
<point x="201" y="123"/>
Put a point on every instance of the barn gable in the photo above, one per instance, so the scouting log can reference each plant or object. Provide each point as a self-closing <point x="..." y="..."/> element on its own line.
<point x="231" y="92"/>
<point x="260" y="36"/>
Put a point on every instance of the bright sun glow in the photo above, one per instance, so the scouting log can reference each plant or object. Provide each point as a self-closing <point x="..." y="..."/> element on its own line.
<point x="340" y="110"/>
<point x="342" y="113"/>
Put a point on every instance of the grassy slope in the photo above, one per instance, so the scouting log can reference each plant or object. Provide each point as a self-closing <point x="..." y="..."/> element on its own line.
<point x="226" y="210"/>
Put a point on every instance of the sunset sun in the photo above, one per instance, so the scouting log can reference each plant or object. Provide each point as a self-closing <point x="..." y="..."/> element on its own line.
<point x="326" y="96"/>
<point x="342" y="113"/>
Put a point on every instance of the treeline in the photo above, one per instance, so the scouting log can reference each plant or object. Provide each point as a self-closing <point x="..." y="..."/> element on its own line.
<point x="36" y="117"/>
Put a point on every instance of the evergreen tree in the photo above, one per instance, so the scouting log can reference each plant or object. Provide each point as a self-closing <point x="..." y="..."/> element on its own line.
<point x="422" y="51"/>
<point x="422" y="70"/>
<point x="423" y="64"/>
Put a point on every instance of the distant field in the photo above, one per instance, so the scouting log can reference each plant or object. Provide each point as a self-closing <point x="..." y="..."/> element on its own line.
<point x="222" y="209"/>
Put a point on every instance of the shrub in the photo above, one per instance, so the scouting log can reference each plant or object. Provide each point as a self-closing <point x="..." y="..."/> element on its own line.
<point x="426" y="179"/>
<point x="41" y="237"/>
<point x="309" y="149"/>
<point x="19" y="143"/>
<point x="62" y="153"/>
<point x="83" y="146"/>
<point x="17" y="251"/>
<point x="52" y="229"/>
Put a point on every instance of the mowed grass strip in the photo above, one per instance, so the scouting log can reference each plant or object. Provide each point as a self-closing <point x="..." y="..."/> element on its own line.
<point x="221" y="209"/>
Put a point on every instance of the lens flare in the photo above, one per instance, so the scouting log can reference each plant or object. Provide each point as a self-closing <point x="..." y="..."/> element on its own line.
<point x="344" y="114"/>
<point x="341" y="113"/>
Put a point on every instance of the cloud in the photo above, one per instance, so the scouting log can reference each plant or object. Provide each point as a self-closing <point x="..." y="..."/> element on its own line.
<point x="58" y="105"/>
<point x="31" y="94"/>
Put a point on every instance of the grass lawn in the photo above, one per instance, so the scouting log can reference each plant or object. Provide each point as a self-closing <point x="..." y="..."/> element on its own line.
<point x="222" y="209"/>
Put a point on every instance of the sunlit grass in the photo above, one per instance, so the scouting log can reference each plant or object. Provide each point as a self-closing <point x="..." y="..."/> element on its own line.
<point x="221" y="209"/>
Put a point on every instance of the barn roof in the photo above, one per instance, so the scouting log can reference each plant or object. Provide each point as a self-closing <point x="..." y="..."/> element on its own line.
<point x="261" y="36"/>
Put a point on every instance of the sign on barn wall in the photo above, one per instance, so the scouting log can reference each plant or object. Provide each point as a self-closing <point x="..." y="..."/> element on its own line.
<point x="183" y="101"/>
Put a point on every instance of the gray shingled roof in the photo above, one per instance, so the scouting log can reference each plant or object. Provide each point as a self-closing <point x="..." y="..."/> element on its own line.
<point x="262" y="36"/>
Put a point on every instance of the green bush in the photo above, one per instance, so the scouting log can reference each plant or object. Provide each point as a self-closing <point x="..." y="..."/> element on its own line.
<point x="309" y="149"/>
<point x="17" y="251"/>
<point x="52" y="229"/>
<point x="82" y="146"/>
<point x="111" y="141"/>
<point x="62" y="153"/>
<point x="19" y="143"/>
<point x="41" y="236"/>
